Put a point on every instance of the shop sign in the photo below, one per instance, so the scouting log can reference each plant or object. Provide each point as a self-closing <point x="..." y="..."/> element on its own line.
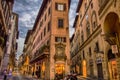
<point x="99" y="60"/>
<point x="114" y="49"/>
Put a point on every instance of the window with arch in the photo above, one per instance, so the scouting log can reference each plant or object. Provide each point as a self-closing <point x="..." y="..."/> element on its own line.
<point x="88" y="29"/>
<point x="82" y="37"/>
<point x="3" y="2"/>
<point x="100" y="2"/>
<point x="80" y="14"/>
<point x="94" y="20"/>
<point x="85" y="6"/>
<point x="83" y="54"/>
<point x="103" y="2"/>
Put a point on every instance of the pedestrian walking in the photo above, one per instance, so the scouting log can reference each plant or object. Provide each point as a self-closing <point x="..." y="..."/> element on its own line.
<point x="9" y="74"/>
<point x="75" y="76"/>
<point x="5" y="74"/>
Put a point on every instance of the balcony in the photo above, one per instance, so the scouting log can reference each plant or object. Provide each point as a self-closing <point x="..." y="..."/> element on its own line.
<point x="110" y="38"/>
<point x="42" y="53"/>
<point x="102" y="5"/>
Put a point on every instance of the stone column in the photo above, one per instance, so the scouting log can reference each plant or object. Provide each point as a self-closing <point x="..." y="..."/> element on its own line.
<point x="47" y="69"/>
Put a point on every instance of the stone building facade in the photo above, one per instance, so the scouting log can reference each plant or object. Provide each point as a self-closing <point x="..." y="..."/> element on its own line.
<point x="98" y="24"/>
<point x="49" y="55"/>
<point x="13" y="36"/>
<point x="26" y="67"/>
<point x="5" y="23"/>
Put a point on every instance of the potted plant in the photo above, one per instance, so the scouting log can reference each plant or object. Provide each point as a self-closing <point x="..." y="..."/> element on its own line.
<point x="1" y="40"/>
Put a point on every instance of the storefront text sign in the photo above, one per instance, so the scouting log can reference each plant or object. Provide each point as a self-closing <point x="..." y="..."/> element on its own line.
<point x="114" y="49"/>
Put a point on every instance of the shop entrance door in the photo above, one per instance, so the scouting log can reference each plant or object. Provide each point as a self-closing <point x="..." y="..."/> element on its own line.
<point x="60" y="70"/>
<point x="100" y="71"/>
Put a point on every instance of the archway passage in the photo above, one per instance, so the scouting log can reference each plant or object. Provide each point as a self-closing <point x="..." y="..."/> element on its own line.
<point x="112" y="65"/>
<point x="110" y="55"/>
<point x="112" y="36"/>
<point x="111" y="23"/>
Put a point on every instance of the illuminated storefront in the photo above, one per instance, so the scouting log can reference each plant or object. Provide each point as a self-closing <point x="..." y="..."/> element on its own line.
<point x="84" y="68"/>
<point x="112" y="65"/>
<point x="60" y="69"/>
<point x="60" y="59"/>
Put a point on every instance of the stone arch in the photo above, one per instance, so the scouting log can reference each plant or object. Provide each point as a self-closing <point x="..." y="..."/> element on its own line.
<point x="110" y="55"/>
<point x="111" y="23"/>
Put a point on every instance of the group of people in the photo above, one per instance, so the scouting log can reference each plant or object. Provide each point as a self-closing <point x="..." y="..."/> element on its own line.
<point x="58" y="76"/>
<point x="7" y="74"/>
<point x="71" y="77"/>
<point x="67" y="77"/>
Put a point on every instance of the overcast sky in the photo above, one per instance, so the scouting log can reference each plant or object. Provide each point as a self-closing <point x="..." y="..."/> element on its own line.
<point x="28" y="10"/>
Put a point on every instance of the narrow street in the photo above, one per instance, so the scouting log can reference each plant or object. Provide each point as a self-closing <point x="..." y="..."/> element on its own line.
<point x="59" y="39"/>
<point x="82" y="78"/>
<point x="18" y="76"/>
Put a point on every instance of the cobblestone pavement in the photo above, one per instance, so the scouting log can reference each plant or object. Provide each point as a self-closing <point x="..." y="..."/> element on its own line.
<point x="18" y="77"/>
<point x="83" y="78"/>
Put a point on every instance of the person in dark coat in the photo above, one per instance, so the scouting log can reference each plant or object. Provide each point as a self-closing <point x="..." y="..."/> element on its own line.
<point x="72" y="77"/>
<point x="5" y="74"/>
<point x="75" y="76"/>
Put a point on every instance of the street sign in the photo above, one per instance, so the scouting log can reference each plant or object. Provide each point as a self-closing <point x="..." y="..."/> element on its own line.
<point x="114" y="49"/>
